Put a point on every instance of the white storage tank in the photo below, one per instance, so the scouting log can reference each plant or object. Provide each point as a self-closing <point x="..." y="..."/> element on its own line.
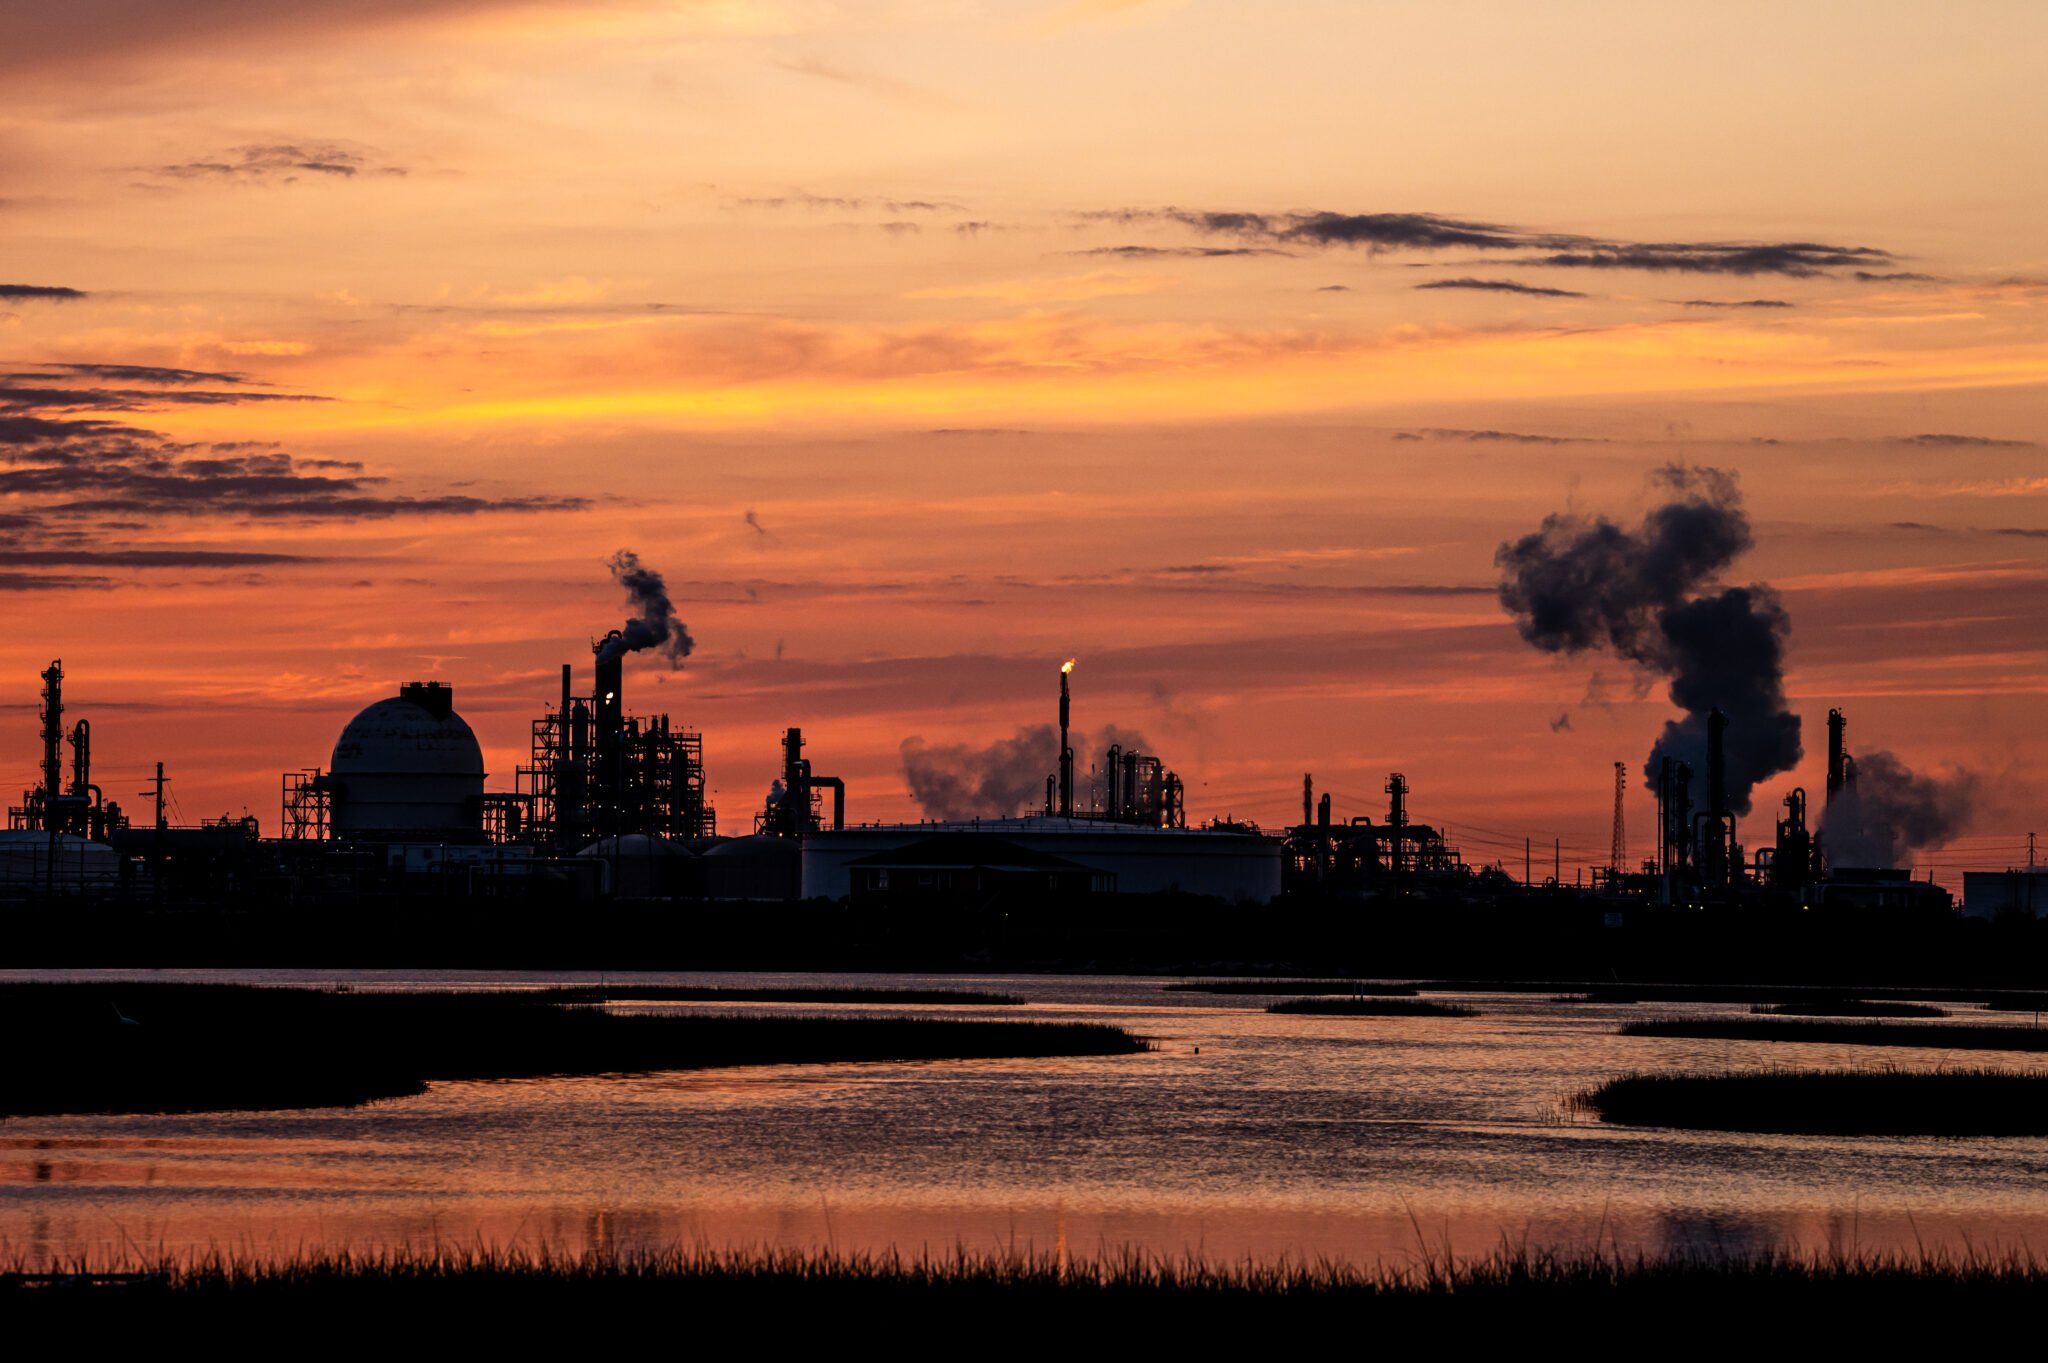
<point x="408" y="769"/>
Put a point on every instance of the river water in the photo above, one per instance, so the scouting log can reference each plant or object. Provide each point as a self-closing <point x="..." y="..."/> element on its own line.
<point x="1243" y="1134"/>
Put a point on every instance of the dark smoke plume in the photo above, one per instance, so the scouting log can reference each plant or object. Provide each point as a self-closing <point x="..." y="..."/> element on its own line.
<point x="1890" y="812"/>
<point x="654" y="623"/>
<point x="1647" y="594"/>
<point x="952" y="781"/>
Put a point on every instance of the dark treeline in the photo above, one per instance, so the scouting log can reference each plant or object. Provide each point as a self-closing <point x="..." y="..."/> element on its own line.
<point x="1537" y="938"/>
<point x="147" y="1047"/>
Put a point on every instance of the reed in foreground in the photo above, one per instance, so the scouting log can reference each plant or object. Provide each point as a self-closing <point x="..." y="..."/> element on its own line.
<point x="1967" y="1036"/>
<point x="1983" y="1102"/>
<point x="1291" y="987"/>
<point x="810" y="1293"/>
<point x="1374" y="1008"/>
<point x="195" y="1048"/>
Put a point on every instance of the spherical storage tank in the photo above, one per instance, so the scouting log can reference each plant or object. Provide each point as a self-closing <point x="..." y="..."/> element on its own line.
<point x="408" y="769"/>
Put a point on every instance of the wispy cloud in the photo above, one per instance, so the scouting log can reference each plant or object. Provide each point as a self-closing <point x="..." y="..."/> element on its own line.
<point x="1438" y="232"/>
<point x="279" y="163"/>
<point x="1946" y="441"/>
<point x="19" y="293"/>
<point x="1181" y="252"/>
<point x="1499" y="286"/>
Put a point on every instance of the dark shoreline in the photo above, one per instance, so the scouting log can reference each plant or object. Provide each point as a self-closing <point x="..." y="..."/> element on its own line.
<point x="1960" y="1036"/>
<point x="111" y="1047"/>
<point x="1980" y="1102"/>
<point x="1558" y="944"/>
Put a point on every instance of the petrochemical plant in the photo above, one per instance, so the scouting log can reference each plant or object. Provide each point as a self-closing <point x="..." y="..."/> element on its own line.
<point x="613" y="806"/>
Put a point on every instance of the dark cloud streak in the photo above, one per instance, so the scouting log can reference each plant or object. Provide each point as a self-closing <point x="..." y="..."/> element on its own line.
<point x="1499" y="286"/>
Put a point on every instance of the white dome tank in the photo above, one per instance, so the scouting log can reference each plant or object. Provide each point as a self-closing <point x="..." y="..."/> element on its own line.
<point x="408" y="769"/>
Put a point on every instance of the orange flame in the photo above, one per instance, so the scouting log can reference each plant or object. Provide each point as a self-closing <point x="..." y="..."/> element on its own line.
<point x="1068" y="665"/>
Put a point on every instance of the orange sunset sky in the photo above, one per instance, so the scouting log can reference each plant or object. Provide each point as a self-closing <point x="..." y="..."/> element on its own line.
<point x="922" y="345"/>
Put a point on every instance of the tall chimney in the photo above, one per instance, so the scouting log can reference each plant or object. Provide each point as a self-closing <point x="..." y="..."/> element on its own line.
<point x="1836" y="753"/>
<point x="1066" y="750"/>
<point x="611" y="673"/>
<point x="1717" y="762"/>
<point x="53" y="737"/>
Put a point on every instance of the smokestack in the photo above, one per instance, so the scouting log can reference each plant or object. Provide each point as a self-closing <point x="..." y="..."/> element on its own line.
<point x="1308" y="797"/>
<point x="53" y="737"/>
<point x="654" y="624"/>
<point x="1650" y="596"/>
<point x="611" y="680"/>
<point x="1837" y="754"/>
<point x="1066" y="749"/>
<point x="1717" y="763"/>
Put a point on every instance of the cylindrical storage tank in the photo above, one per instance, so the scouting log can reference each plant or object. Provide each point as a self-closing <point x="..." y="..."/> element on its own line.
<point x="408" y="769"/>
<point x="644" y="867"/>
<point x="753" y="868"/>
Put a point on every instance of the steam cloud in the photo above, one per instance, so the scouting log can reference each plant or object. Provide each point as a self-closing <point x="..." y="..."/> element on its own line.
<point x="952" y="781"/>
<point x="1890" y="811"/>
<point x="654" y="623"/>
<point x="1579" y="585"/>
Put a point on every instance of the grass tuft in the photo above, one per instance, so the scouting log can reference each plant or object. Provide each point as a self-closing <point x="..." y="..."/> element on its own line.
<point x="740" y="993"/>
<point x="1968" y="1036"/>
<point x="1980" y="1102"/>
<point x="1850" y="1008"/>
<point x="1374" y="1008"/>
<point x="1292" y="987"/>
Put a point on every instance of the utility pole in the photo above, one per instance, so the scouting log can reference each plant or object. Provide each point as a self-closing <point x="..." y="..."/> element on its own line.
<point x="1557" y="860"/>
<point x="2030" y="851"/>
<point x="1525" y="861"/>
<point x="156" y="847"/>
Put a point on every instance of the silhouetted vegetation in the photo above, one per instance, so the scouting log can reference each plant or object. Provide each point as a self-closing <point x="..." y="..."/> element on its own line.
<point x="2017" y="1003"/>
<point x="1292" y="987"/>
<point x="1708" y="993"/>
<point x="105" y="1047"/>
<point x="743" y="993"/>
<point x="1374" y="1008"/>
<point x="1968" y="1036"/>
<point x="1800" y="994"/>
<point x="1984" y="1102"/>
<point x="1851" y="1008"/>
<point x="819" y="1295"/>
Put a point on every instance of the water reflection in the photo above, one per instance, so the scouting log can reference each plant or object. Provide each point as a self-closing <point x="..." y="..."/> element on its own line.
<point x="1243" y="1134"/>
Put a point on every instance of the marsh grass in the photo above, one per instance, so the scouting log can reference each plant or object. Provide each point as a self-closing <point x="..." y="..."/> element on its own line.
<point x="1374" y="1008"/>
<point x="1247" y="986"/>
<point x="104" y="1047"/>
<point x="1967" y="1036"/>
<point x="2017" y="1003"/>
<point x="824" y="1293"/>
<point x="1839" y="1102"/>
<point x="740" y="993"/>
<point x="1850" y="1008"/>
